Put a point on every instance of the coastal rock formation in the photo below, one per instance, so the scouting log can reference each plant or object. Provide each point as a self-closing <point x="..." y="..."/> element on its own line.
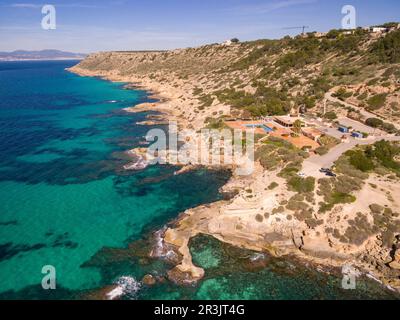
<point x="320" y="247"/>
<point x="149" y="280"/>
<point x="330" y="222"/>
<point x="395" y="264"/>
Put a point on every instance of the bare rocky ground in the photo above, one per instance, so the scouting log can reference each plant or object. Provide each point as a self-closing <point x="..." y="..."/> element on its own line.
<point x="265" y="213"/>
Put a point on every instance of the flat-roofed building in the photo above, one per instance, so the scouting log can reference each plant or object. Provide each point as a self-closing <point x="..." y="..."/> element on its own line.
<point x="286" y="121"/>
<point x="357" y="135"/>
<point x="343" y="129"/>
<point x="379" y="29"/>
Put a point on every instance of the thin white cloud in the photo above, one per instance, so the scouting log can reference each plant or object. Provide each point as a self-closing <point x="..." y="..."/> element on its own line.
<point x="76" y="38"/>
<point x="269" y="6"/>
<point x="25" y="5"/>
<point x="62" y="5"/>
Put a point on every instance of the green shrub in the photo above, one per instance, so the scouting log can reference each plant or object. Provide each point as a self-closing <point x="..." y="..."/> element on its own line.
<point x="302" y="185"/>
<point x="374" y="122"/>
<point x="360" y="161"/>
<point x="336" y="193"/>
<point x="342" y="94"/>
<point x="206" y="100"/>
<point x="280" y="209"/>
<point x="333" y="34"/>
<point x="386" y="49"/>
<point x="339" y="197"/>
<point x="376" y="102"/>
<point x="265" y="101"/>
<point x="273" y="186"/>
<point x="313" y="223"/>
<point x="290" y="170"/>
<point x="322" y="150"/>
<point x="279" y="142"/>
<point x="304" y="215"/>
<point x="373" y="82"/>
<point x="362" y="96"/>
<point x="328" y="141"/>
<point x="344" y="167"/>
<point x="331" y="115"/>
<point x="197" y="91"/>
<point x="359" y="230"/>
<point x="384" y="152"/>
<point x="376" y="208"/>
<point x="259" y="218"/>
<point x="213" y="123"/>
<point x="347" y="184"/>
<point x="389" y="127"/>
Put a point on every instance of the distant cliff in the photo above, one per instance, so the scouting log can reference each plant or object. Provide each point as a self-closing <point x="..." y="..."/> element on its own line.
<point x="40" y="55"/>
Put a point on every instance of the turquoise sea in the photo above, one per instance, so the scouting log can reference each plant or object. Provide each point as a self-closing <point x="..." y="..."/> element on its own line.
<point x="66" y="201"/>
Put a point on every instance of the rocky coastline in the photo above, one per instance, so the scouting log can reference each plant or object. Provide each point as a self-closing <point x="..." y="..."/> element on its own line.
<point x="241" y="221"/>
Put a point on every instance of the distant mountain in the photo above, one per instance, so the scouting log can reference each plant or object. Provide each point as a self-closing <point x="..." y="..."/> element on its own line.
<point x="40" y="55"/>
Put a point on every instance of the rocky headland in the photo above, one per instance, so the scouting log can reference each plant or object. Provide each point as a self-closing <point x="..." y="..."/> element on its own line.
<point x="352" y="219"/>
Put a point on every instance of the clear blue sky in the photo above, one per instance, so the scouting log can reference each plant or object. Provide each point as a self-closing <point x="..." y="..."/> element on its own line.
<point x="98" y="25"/>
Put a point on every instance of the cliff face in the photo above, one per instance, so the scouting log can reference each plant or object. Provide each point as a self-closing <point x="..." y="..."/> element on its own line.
<point x="183" y="62"/>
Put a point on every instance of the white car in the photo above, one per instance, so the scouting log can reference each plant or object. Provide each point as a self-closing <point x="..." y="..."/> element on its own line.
<point x="301" y="175"/>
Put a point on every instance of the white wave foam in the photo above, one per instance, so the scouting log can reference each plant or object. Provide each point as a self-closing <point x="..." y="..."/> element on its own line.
<point x="125" y="286"/>
<point x="257" y="256"/>
<point x="160" y="250"/>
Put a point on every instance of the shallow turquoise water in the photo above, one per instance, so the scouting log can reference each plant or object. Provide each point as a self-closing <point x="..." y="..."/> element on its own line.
<point x="66" y="201"/>
<point x="63" y="194"/>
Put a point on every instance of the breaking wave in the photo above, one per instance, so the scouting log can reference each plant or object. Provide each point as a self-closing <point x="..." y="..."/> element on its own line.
<point x="126" y="286"/>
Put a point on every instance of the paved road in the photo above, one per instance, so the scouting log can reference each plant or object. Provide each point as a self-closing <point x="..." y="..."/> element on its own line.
<point x="313" y="164"/>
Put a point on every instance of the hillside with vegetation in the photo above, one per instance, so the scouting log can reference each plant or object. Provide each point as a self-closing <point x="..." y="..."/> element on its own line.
<point x="273" y="77"/>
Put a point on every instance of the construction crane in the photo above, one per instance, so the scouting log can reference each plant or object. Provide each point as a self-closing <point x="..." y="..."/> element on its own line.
<point x="302" y="27"/>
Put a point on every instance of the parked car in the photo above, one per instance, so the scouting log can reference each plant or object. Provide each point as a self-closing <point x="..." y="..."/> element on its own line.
<point x="324" y="170"/>
<point x="330" y="174"/>
<point x="302" y="175"/>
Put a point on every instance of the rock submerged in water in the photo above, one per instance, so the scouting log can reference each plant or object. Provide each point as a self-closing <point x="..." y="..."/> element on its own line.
<point x="149" y="280"/>
<point x="140" y="164"/>
<point x="185" y="278"/>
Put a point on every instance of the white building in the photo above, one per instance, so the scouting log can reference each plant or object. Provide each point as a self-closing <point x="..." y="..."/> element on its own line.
<point x="348" y="32"/>
<point x="379" y="29"/>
